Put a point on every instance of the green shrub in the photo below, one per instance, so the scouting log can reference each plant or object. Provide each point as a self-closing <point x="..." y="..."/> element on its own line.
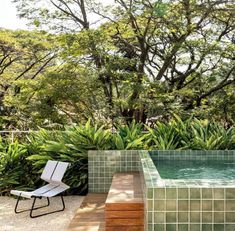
<point x="163" y="137"/>
<point x="15" y="169"/>
<point x="129" y="137"/>
<point x="70" y="146"/>
<point x="22" y="164"/>
<point x="210" y="136"/>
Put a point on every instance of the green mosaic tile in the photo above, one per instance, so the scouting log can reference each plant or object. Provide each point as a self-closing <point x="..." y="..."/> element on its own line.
<point x="195" y="217"/>
<point x="183" y="227"/>
<point x="183" y="193"/>
<point x="218" y="227"/>
<point x="194" y="227"/>
<point x="159" y="217"/>
<point x="195" y="193"/>
<point x="183" y="216"/>
<point x="230" y="193"/>
<point x="230" y="227"/>
<point x="207" y="227"/>
<point x="150" y="193"/>
<point x="171" y="193"/>
<point x="171" y="227"/>
<point x="230" y="205"/>
<point x="159" y="227"/>
<point x="218" y="205"/>
<point x="150" y="227"/>
<point x="183" y="205"/>
<point x="150" y="205"/>
<point x="170" y="217"/>
<point x="230" y="216"/>
<point x="206" y="217"/>
<point x="194" y="205"/>
<point x="159" y="193"/>
<point x="218" y="193"/>
<point x="159" y="205"/>
<point x="207" y="205"/>
<point x="150" y="217"/>
<point x="219" y="217"/>
<point x="171" y="205"/>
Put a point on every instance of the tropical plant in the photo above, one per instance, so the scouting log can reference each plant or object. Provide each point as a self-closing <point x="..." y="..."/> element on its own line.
<point x="210" y="136"/>
<point x="15" y="169"/>
<point x="129" y="137"/>
<point x="22" y="163"/>
<point x="163" y="137"/>
<point x="70" y="146"/>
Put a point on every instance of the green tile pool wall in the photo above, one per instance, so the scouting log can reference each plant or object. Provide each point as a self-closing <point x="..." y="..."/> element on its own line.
<point x="228" y="155"/>
<point x="178" y="206"/>
<point x="149" y="175"/>
<point x="103" y="164"/>
<point x="193" y="209"/>
<point x="143" y="159"/>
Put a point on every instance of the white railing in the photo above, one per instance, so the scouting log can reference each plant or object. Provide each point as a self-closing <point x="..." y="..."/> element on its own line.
<point x="14" y="133"/>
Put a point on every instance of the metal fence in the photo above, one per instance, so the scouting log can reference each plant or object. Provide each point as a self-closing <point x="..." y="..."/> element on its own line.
<point x="17" y="134"/>
<point x="12" y="135"/>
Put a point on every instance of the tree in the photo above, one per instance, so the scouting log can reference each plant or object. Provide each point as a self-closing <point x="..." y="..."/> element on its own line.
<point x="149" y="57"/>
<point x="23" y="56"/>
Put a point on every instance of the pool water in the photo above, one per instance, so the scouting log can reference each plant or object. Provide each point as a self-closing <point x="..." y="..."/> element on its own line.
<point x="195" y="169"/>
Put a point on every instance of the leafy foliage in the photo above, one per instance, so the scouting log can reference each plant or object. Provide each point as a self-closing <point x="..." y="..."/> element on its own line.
<point x="163" y="137"/>
<point x="210" y="136"/>
<point x="15" y="169"/>
<point x="21" y="164"/>
<point x="143" y="59"/>
<point x="70" y="146"/>
<point x="129" y="137"/>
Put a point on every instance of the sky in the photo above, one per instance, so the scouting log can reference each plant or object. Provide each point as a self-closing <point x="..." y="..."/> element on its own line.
<point x="8" y="16"/>
<point x="9" y="19"/>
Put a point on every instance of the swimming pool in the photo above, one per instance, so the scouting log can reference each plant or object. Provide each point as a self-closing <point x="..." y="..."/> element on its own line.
<point x="197" y="169"/>
<point x="202" y="201"/>
<point x="189" y="190"/>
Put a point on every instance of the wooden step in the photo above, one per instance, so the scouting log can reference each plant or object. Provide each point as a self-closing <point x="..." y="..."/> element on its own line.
<point x="126" y="228"/>
<point x="124" y="214"/>
<point x="124" y="222"/>
<point x="124" y="207"/>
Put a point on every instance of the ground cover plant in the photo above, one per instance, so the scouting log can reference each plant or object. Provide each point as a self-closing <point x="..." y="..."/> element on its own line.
<point x="21" y="163"/>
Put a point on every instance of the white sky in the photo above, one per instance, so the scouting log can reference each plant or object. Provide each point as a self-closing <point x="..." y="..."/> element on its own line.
<point x="9" y="19"/>
<point x="8" y="16"/>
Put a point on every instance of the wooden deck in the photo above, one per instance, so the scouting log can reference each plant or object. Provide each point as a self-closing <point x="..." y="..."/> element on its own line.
<point x="90" y="215"/>
<point x="122" y="209"/>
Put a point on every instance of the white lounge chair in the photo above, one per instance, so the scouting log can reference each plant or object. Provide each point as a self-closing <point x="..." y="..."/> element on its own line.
<point x="53" y="174"/>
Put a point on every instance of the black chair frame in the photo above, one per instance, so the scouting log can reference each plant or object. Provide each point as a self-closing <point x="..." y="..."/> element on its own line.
<point x="35" y="208"/>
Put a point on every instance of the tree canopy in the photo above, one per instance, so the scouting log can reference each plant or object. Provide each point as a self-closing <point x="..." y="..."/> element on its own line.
<point x="133" y="60"/>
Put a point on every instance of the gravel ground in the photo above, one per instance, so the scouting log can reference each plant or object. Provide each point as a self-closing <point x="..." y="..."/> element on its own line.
<point x="9" y="221"/>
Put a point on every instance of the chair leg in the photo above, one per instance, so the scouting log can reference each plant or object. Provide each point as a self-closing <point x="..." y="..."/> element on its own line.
<point x="21" y="211"/>
<point x="43" y="214"/>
